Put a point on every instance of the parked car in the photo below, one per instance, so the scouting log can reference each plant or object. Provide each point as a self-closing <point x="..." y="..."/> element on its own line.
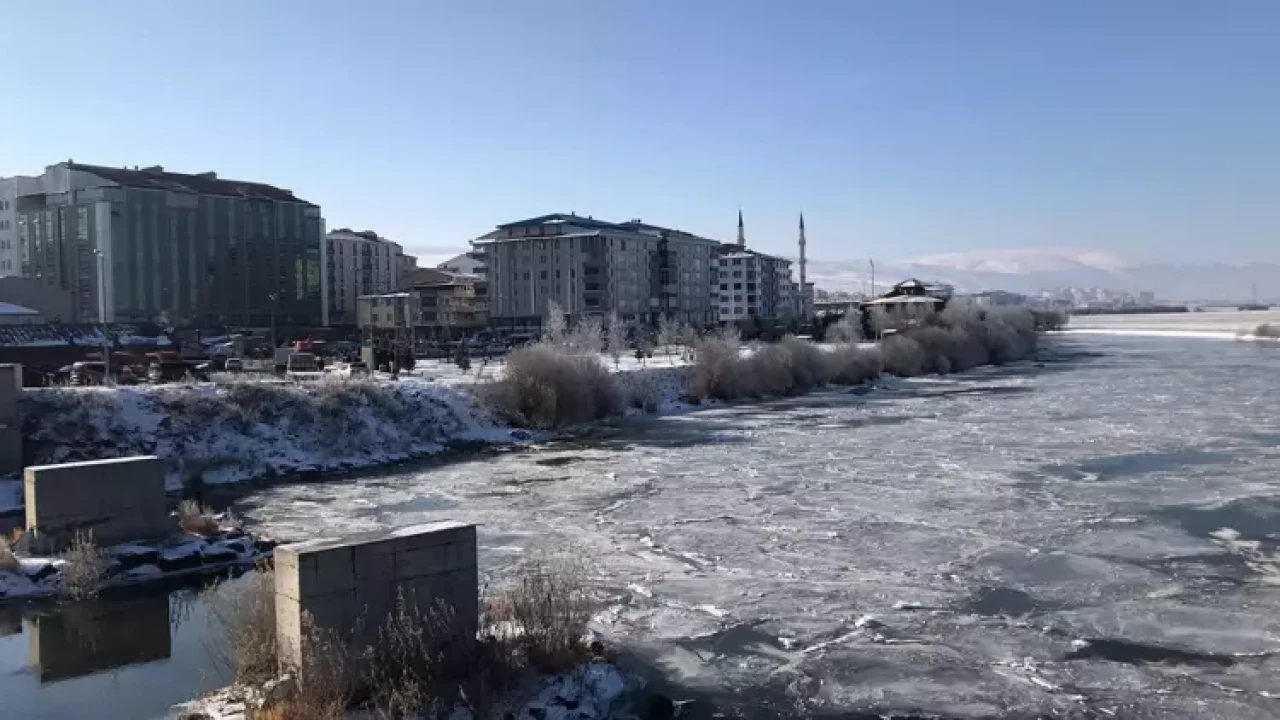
<point x="357" y="367"/>
<point x="91" y="372"/>
<point x="234" y="365"/>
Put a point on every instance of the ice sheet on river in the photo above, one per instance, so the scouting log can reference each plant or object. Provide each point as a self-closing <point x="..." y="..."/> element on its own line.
<point x="1014" y="542"/>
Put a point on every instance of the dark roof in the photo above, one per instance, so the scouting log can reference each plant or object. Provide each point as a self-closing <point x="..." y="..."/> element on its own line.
<point x="579" y="220"/>
<point x="85" y="335"/>
<point x="157" y="178"/>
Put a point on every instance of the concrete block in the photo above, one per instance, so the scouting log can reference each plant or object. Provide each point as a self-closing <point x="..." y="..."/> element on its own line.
<point x="349" y="585"/>
<point x="117" y="500"/>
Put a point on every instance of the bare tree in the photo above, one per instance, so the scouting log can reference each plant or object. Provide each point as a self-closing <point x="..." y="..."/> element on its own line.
<point x="616" y="337"/>
<point x="554" y="327"/>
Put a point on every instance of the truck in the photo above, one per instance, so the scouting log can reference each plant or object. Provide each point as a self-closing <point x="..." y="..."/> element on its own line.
<point x="303" y="366"/>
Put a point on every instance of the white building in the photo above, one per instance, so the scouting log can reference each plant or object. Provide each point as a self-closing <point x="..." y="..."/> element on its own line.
<point x="468" y="263"/>
<point x="754" y="286"/>
<point x="360" y="263"/>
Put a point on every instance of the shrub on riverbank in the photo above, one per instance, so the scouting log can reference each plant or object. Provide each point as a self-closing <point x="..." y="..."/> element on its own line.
<point x="85" y="563"/>
<point x="959" y="339"/>
<point x="791" y="366"/>
<point x="547" y="385"/>
<point x="1267" y="330"/>
<point x="1050" y="320"/>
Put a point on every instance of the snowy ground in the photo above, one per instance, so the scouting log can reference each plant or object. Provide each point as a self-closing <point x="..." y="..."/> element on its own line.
<point x="1092" y="538"/>
<point x="283" y="426"/>
<point x="1223" y="324"/>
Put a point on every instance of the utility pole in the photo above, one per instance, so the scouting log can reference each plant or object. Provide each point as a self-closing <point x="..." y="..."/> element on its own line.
<point x="873" y="277"/>
<point x="272" y="298"/>
<point x="102" y="316"/>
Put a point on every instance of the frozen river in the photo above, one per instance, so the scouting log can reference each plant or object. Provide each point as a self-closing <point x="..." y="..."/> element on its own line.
<point x="1093" y="537"/>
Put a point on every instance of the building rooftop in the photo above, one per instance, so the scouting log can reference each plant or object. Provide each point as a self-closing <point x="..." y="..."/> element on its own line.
<point x="11" y="309"/>
<point x="208" y="183"/>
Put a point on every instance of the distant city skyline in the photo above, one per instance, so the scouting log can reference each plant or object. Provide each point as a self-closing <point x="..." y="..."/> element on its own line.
<point x="1149" y="130"/>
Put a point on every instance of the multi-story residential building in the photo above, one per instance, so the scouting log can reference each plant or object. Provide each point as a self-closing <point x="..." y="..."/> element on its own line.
<point x="593" y="267"/>
<point x="190" y="248"/>
<point x="453" y="305"/>
<point x="387" y="311"/>
<point x="753" y="286"/>
<point x="10" y="189"/>
<point x="359" y="263"/>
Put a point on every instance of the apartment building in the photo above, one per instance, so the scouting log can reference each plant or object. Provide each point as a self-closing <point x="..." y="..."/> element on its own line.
<point x="594" y="267"/>
<point x="10" y="189"/>
<point x="189" y="248"/>
<point x="453" y="305"/>
<point x="754" y="286"/>
<point x="359" y="263"/>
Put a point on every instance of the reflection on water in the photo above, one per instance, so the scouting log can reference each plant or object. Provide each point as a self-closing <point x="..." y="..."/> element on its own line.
<point x="125" y="657"/>
<point x="98" y="635"/>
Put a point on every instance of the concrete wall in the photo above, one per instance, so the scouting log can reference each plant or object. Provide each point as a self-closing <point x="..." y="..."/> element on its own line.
<point x="349" y="586"/>
<point x="117" y="500"/>
<point x="10" y="423"/>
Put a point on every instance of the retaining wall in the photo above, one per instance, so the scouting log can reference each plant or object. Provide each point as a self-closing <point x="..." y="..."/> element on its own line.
<point x="349" y="586"/>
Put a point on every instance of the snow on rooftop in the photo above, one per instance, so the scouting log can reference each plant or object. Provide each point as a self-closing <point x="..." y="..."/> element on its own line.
<point x="11" y="309"/>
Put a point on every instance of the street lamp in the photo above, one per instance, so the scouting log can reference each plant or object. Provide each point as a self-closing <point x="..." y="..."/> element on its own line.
<point x="102" y="315"/>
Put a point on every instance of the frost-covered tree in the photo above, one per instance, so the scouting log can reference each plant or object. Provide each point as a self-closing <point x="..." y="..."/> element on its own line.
<point x="554" y="327"/>
<point x="586" y="337"/>
<point x="616" y="338"/>
<point x="670" y="332"/>
<point x="847" y="330"/>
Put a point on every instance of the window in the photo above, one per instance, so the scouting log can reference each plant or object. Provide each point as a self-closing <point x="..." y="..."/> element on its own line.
<point x="557" y="274"/>
<point x="592" y="302"/>
<point x="737" y="261"/>
<point x="737" y="298"/>
<point x="542" y="275"/>
<point x="624" y="246"/>
<point x="737" y="286"/>
<point x="737" y="311"/>
<point x="724" y="286"/>
<point x="591" y="287"/>
<point x="751" y="298"/>
<point x="737" y="273"/>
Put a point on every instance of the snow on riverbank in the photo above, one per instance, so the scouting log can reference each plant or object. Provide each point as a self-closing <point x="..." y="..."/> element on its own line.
<point x="230" y="432"/>
<point x="227" y="432"/>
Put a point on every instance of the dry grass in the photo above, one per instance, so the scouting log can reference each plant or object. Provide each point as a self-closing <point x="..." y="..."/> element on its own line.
<point x="82" y="573"/>
<point x="419" y="666"/>
<point x="197" y="520"/>
<point x="545" y="386"/>
<point x="549" y="606"/>
<point x="242" y="613"/>
<point x="8" y="561"/>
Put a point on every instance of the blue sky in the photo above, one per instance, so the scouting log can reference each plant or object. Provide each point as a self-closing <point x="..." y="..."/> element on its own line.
<point x="1149" y="128"/>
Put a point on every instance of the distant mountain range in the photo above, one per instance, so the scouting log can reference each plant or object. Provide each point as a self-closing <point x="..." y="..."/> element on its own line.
<point x="1030" y="271"/>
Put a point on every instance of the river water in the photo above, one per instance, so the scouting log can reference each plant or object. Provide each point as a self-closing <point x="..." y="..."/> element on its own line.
<point x="1091" y="536"/>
